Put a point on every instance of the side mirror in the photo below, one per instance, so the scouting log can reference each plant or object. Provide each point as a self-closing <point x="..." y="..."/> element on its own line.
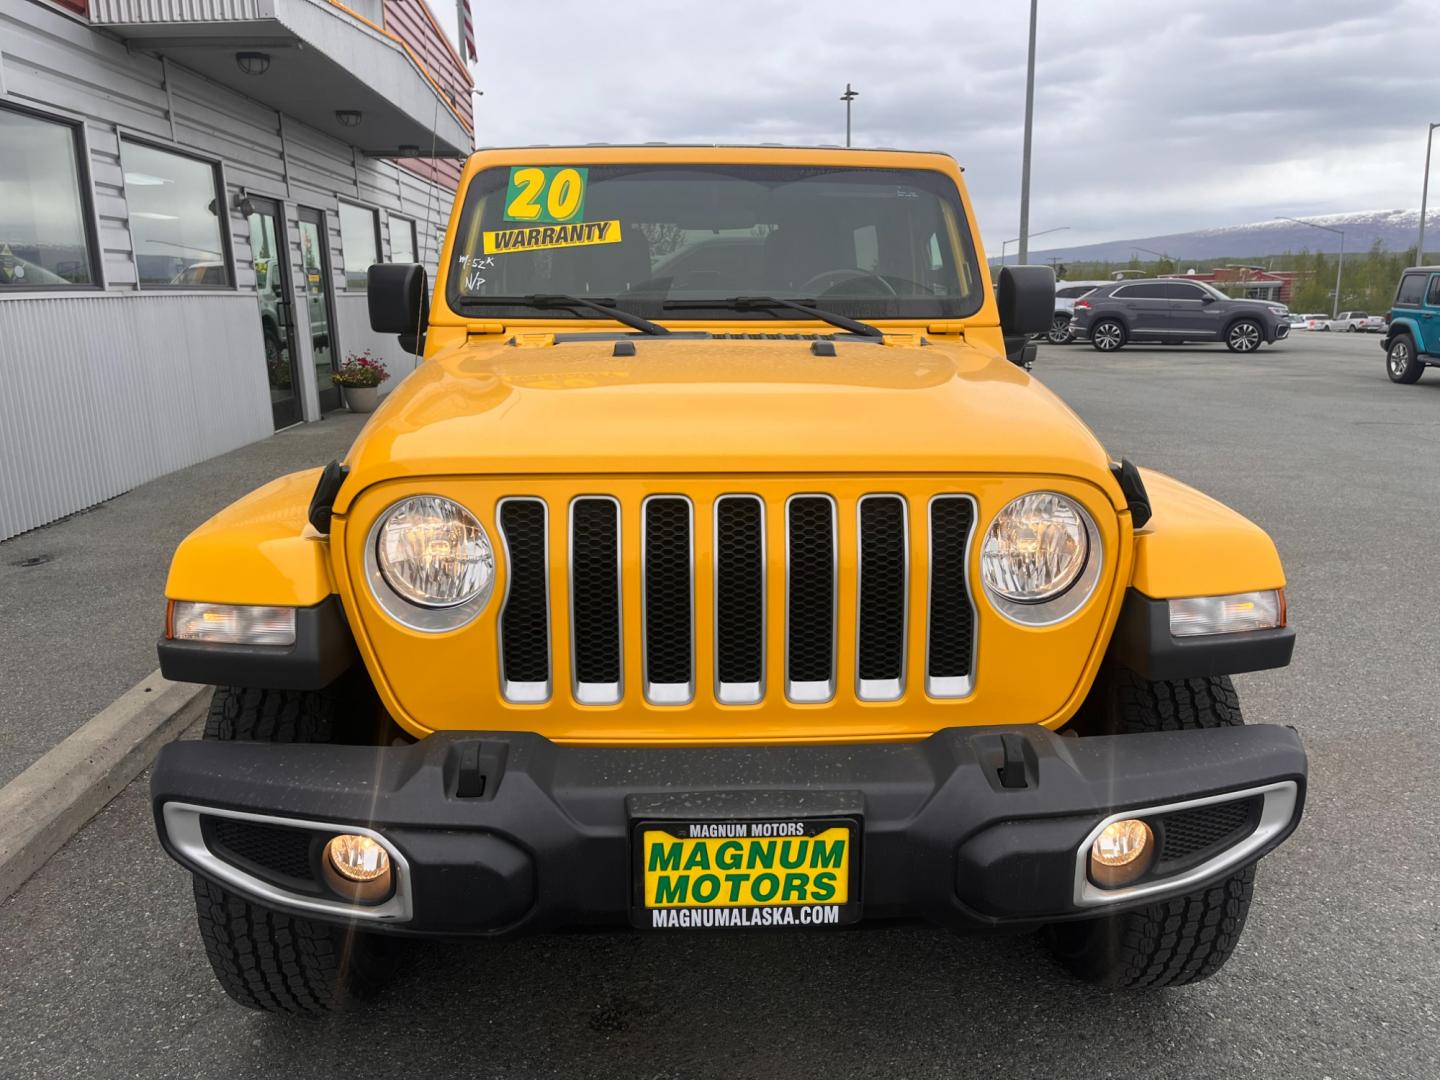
<point x="1026" y="298"/>
<point x="399" y="300"/>
<point x="1207" y="299"/>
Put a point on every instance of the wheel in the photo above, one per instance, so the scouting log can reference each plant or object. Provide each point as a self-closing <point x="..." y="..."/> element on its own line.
<point x="1350" y="329"/>
<point x="1244" y="336"/>
<point x="266" y="959"/>
<point x="1185" y="938"/>
<point x="1059" y="330"/>
<point x="1400" y="361"/>
<point x="1107" y="335"/>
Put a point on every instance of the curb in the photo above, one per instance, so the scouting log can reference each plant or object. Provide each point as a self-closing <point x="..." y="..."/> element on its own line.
<point x="48" y="803"/>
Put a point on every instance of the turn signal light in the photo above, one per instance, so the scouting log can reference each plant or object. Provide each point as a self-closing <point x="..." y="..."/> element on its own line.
<point x="357" y="868"/>
<point x="1196" y="616"/>
<point x="231" y="624"/>
<point x="1121" y="853"/>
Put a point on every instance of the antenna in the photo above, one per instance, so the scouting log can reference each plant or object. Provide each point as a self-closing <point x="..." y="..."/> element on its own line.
<point x="429" y="206"/>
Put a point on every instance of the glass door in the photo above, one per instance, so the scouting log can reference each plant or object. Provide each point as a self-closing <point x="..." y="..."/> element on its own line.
<point x="270" y="258"/>
<point x="314" y="257"/>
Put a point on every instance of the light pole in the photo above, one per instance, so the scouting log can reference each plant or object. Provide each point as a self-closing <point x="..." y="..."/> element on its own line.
<point x="1339" y="268"/>
<point x="847" y="97"/>
<point x="1029" y="124"/>
<point x="1424" y="192"/>
<point x="1025" y="246"/>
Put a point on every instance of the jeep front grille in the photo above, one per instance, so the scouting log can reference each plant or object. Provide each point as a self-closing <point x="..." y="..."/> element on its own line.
<point x="743" y="616"/>
<point x="952" y="615"/>
<point x="884" y="557"/>
<point x="810" y="562"/>
<point x="595" y="600"/>
<point x="525" y="613"/>
<point x="739" y="599"/>
<point x="669" y="622"/>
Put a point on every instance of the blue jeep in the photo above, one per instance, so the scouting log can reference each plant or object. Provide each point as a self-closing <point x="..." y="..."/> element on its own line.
<point x="1412" y="341"/>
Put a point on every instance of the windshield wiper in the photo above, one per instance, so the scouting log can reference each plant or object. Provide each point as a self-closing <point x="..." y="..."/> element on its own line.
<point x="603" y="304"/>
<point x="772" y="303"/>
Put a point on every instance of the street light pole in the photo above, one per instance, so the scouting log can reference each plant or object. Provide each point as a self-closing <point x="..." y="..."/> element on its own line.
<point x="1029" y="124"/>
<point x="1424" y="192"/>
<point x="1339" y="268"/>
<point x="847" y="97"/>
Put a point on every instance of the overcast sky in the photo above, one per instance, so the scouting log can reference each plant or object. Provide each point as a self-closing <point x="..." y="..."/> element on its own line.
<point x="1150" y="117"/>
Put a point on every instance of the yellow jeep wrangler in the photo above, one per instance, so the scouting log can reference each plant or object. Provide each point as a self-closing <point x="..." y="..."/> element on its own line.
<point x="721" y="567"/>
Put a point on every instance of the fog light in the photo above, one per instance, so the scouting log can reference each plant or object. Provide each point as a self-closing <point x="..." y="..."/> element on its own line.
<point x="357" y="867"/>
<point x="1121" y="853"/>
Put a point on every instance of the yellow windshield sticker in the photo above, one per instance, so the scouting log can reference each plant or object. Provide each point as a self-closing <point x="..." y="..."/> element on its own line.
<point x="540" y="237"/>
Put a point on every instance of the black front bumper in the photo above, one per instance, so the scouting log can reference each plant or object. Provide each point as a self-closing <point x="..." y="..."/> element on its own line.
<point x="504" y="831"/>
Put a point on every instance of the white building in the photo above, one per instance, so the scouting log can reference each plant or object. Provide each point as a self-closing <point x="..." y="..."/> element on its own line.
<point x="190" y="195"/>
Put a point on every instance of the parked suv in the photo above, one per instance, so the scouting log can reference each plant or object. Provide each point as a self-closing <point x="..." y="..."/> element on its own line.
<point x="1171" y="311"/>
<point x="646" y="602"/>
<point x="1066" y="293"/>
<point x="1412" y="341"/>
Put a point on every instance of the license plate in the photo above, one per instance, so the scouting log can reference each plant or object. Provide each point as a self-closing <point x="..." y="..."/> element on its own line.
<point x="739" y="874"/>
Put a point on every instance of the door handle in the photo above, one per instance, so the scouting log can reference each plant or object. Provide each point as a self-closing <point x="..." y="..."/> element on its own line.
<point x="1425" y="315"/>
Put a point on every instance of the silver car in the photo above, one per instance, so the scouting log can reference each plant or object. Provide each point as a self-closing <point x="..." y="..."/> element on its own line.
<point x="1066" y="293"/>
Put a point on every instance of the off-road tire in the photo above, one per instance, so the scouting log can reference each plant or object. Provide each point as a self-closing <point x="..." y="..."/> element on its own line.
<point x="1244" y="336"/>
<point x="1108" y="335"/>
<point x="1401" y="363"/>
<point x="242" y="714"/>
<point x="1186" y="938"/>
<point x="265" y="959"/>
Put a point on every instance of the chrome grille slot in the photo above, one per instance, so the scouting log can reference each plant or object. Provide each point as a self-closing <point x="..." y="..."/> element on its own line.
<point x="810" y="598"/>
<point x="667" y="570"/>
<point x="739" y="599"/>
<point x="525" y="612"/>
<point x="950" y="629"/>
<point x="883" y="586"/>
<point x="595" y="631"/>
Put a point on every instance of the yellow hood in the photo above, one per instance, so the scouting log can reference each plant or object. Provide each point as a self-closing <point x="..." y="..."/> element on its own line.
<point x="715" y="405"/>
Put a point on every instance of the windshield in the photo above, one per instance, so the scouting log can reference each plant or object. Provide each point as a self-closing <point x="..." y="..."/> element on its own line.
<point x="865" y="243"/>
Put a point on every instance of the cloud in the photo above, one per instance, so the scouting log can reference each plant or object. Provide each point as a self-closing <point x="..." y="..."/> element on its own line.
<point x="1150" y="117"/>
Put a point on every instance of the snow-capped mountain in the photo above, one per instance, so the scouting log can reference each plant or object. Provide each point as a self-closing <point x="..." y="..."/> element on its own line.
<point x="1396" y="229"/>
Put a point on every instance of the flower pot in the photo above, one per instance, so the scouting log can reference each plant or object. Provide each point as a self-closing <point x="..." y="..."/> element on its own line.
<point x="361" y="398"/>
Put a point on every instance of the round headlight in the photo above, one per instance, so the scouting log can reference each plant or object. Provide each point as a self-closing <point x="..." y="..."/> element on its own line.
<point x="1035" y="548"/>
<point x="434" y="553"/>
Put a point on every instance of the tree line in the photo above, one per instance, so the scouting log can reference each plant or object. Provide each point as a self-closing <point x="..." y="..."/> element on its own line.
<point x="1368" y="282"/>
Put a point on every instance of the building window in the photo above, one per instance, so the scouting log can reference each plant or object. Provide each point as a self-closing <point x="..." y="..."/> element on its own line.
<point x="360" y="241"/>
<point x="45" y="240"/>
<point x="402" y="240"/>
<point x="177" y="215"/>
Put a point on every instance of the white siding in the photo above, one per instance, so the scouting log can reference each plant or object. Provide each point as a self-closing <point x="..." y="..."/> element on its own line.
<point x="108" y="391"/>
<point x="105" y="391"/>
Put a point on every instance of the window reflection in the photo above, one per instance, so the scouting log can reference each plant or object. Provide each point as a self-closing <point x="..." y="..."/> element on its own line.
<point x="359" y="234"/>
<point x="176" y="214"/>
<point x="44" y="242"/>
<point x="402" y="240"/>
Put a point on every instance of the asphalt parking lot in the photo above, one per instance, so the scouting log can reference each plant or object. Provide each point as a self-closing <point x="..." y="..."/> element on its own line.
<point x="102" y="973"/>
